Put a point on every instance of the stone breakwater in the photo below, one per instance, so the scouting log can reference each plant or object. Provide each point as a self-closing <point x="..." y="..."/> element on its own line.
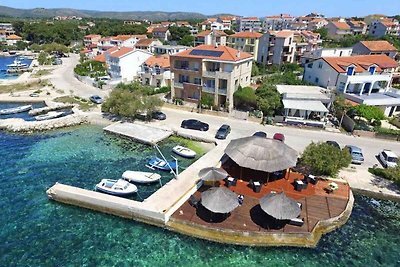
<point x="20" y="125"/>
<point x="38" y="111"/>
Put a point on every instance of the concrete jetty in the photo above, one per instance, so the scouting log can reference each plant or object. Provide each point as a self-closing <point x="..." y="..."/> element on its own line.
<point x="38" y="111"/>
<point x="142" y="133"/>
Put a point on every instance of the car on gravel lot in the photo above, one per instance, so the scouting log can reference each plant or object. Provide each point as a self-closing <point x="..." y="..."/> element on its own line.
<point x="195" y="125"/>
<point x="223" y="131"/>
<point x="158" y="115"/>
<point x="96" y="99"/>
<point x="388" y="158"/>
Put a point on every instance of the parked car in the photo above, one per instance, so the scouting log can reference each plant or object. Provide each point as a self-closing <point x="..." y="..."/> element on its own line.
<point x="357" y="156"/>
<point x="279" y="136"/>
<point x="96" y="99"/>
<point x="158" y="115"/>
<point x="333" y="143"/>
<point x="260" y="134"/>
<point x="194" y="125"/>
<point x="388" y="158"/>
<point x="34" y="95"/>
<point x="223" y="131"/>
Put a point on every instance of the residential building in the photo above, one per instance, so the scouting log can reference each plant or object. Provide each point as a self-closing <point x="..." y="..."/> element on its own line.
<point x="217" y="26"/>
<point x="316" y="24"/>
<point x="155" y="71"/>
<point x="338" y="29"/>
<point x="277" y="23"/>
<point x="305" y="104"/>
<point x="104" y="44"/>
<point x="169" y="49"/>
<point x="384" y="26"/>
<point x="161" y="33"/>
<point x="91" y="39"/>
<point x="13" y="39"/>
<point x="210" y="37"/>
<point x="246" y="42"/>
<point x="132" y="22"/>
<point x="325" y="52"/>
<point x="7" y="28"/>
<point x="375" y="48"/>
<point x="249" y="24"/>
<point x="306" y="41"/>
<point x="124" y="63"/>
<point x="126" y="40"/>
<point x="276" y="47"/>
<point x="227" y="22"/>
<point x="217" y="71"/>
<point x="148" y="44"/>
<point x="363" y="79"/>
<point x="206" y="25"/>
<point x="357" y="27"/>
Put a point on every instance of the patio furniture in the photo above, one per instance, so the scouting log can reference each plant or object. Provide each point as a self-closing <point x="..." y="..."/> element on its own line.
<point x="240" y="199"/>
<point x="312" y="179"/>
<point x="193" y="201"/>
<point x="230" y="181"/>
<point x="256" y="187"/>
<point x="332" y="187"/>
<point x="299" y="185"/>
<point x="296" y="221"/>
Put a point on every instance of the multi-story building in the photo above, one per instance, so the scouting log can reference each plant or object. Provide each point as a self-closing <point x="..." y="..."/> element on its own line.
<point x="306" y="41"/>
<point x="249" y="24"/>
<point x="155" y="71"/>
<point x="246" y="42"/>
<point x="217" y="71"/>
<point x="13" y="39"/>
<point x="161" y="33"/>
<point x="91" y="39"/>
<point x="357" y="27"/>
<point x="126" y="40"/>
<point x="384" y="26"/>
<point x="362" y="79"/>
<point x="206" y="25"/>
<point x="316" y="24"/>
<point x="277" y="23"/>
<point x="338" y="29"/>
<point x="148" y="44"/>
<point x="325" y="52"/>
<point x="169" y="49"/>
<point x="124" y="63"/>
<point x="7" y="29"/>
<point x="210" y="37"/>
<point x="227" y="22"/>
<point x="375" y="48"/>
<point x="276" y="47"/>
<point x="104" y="44"/>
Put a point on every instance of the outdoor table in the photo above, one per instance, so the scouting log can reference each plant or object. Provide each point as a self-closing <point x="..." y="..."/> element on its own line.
<point x="312" y="179"/>
<point x="257" y="187"/>
<point x="299" y="185"/>
<point x="231" y="181"/>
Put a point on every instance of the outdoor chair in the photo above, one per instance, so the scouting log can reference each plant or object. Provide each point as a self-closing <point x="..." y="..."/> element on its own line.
<point x="312" y="179"/>
<point x="296" y="222"/>
<point x="230" y="181"/>
<point x="299" y="185"/>
<point x="257" y="187"/>
<point x="193" y="201"/>
<point x="331" y="187"/>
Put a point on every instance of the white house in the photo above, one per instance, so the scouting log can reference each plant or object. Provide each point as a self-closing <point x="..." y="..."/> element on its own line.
<point x="156" y="71"/>
<point x="325" y="52"/>
<point x="124" y="63"/>
<point x="161" y="33"/>
<point x="126" y="40"/>
<point x="169" y="49"/>
<point x="375" y="48"/>
<point x="211" y="37"/>
<point x="363" y="79"/>
<point x="276" y="47"/>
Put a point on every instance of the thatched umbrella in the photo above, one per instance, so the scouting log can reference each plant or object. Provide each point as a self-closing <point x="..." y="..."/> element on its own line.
<point x="212" y="174"/>
<point x="219" y="200"/>
<point x="262" y="154"/>
<point x="280" y="206"/>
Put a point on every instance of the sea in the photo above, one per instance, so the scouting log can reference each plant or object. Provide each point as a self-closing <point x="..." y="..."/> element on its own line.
<point x="36" y="231"/>
<point x="4" y="61"/>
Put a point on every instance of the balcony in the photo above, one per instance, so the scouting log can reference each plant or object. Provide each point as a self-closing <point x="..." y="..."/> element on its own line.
<point x="178" y="85"/>
<point x="179" y="68"/>
<point x="217" y="74"/>
<point x="222" y="91"/>
<point x="209" y="89"/>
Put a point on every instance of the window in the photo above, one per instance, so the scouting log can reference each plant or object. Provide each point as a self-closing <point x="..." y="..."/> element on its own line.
<point x="309" y="66"/>
<point x="350" y="71"/>
<point x="320" y="65"/>
<point x="372" y="70"/>
<point x="197" y="80"/>
<point x="316" y="79"/>
<point x="183" y="78"/>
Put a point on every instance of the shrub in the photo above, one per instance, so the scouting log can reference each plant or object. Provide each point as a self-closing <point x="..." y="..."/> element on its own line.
<point x="369" y="112"/>
<point x="324" y="159"/>
<point x="386" y="131"/>
<point x="392" y="174"/>
<point x="245" y="98"/>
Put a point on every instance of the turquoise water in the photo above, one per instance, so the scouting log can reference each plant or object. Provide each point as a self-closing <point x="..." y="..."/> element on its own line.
<point x="4" y="61"/>
<point x="39" y="232"/>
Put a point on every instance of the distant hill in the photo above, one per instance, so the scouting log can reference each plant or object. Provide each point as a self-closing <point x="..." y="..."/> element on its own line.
<point x="128" y="15"/>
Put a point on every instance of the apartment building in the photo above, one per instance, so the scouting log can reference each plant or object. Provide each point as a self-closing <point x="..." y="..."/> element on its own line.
<point x="316" y="24"/>
<point x="126" y="40"/>
<point x="245" y="41"/>
<point x="249" y="24"/>
<point x="169" y="49"/>
<point x="210" y="37"/>
<point x="384" y="26"/>
<point x="357" y="27"/>
<point x="325" y="52"/>
<point x="91" y="39"/>
<point x="148" y="44"/>
<point x="276" y="47"/>
<point x="161" y="33"/>
<point x="227" y="22"/>
<point x="338" y="29"/>
<point x="277" y="23"/>
<point x="206" y="25"/>
<point x="375" y="48"/>
<point x="7" y="29"/>
<point x="306" y="42"/>
<point x="155" y="71"/>
<point x="217" y="71"/>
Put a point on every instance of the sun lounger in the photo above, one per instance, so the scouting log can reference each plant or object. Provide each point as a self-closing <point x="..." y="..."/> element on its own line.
<point x="193" y="201"/>
<point x="296" y="222"/>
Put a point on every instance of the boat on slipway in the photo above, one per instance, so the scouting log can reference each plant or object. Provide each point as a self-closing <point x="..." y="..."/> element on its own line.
<point x="157" y="163"/>
<point x="118" y="187"/>
<point x="15" y="110"/>
<point x="49" y="115"/>
<point x="141" y="177"/>
<point x="184" y="152"/>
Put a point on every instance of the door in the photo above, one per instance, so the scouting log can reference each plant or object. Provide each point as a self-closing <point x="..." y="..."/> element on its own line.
<point x="367" y="86"/>
<point x="392" y="109"/>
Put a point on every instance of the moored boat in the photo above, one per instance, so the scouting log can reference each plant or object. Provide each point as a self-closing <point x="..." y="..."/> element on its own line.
<point x="17" y="66"/>
<point x="184" y="152"/>
<point x="15" y="110"/>
<point x="141" y="177"/>
<point x="49" y="115"/>
<point x="118" y="187"/>
<point x="161" y="164"/>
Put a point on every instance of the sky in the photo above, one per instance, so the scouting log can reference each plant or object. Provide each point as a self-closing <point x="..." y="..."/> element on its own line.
<point x="259" y="8"/>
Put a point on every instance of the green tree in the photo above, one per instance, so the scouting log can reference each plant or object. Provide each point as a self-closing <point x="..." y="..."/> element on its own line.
<point x="186" y="40"/>
<point x="341" y="106"/>
<point x="369" y="112"/>
<point x="177" y="33"/>
<point x="207" y="100"/>
<point x="91" y="68"/>
<point x="268" y="99"/>
<point x="229" y="32"/>
<point x="20" y="45"/>
<point x="44" y="59"/>
<point x="254" y="70"/>
<point x="325" y="159"/>
<point x="323" y="33"/>
<point x="245" y="98"/>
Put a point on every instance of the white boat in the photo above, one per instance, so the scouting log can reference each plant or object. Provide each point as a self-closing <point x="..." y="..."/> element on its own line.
<point x="15" y="110"/>
<point x="118" y="187"/>
<point x="49" y="115"/>
<point x="17" y="66"/>
<point x="184" y="152"/>
<point x="141" y="177"/>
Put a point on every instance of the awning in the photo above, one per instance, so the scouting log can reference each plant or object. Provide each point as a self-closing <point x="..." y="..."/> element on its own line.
<point x="316" y="106"/>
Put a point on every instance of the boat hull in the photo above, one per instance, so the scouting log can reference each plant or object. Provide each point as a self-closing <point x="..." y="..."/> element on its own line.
<point x="141" y="177"/>
<point x="49" y="116"/>
<point x="116" y="187"/>
<point x="15" y="110"/>
<point x="184" y="152"/>
<point x="160" y="164"/>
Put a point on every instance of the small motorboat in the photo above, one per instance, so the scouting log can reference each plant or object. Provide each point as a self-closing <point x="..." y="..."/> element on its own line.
<point x="157" y="163"/>
<point x="118" y="187"/>
<point x="141" y="177"/>
<point x="49" y="115"/>
<point x="15" y="110"/>
<point x="184" y="152"/>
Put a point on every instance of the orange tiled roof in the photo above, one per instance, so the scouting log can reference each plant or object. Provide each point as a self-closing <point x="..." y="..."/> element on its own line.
<point x="341" y="25"/>
<point x="92" y="36"/>
<point x="100" y="58"/>
<point x="144" y="42"/>
<point x="227" y="18"/>
<point x="357" y="22"/>
<point x="160" y="29"/>
<point x="14" y="37"/>
<point x="246" y="35"/>
<point x="251" y="18"/>
<point x="162" y="61"/>
<point x="208" y="32"/>
<point x="378" y="45"/>
<point x="282" y="34"/>
<point x="228" y="53"/>
<point x="121" y="51"/>
<point x="389" y="22"/>
<point x="361" y="62"/>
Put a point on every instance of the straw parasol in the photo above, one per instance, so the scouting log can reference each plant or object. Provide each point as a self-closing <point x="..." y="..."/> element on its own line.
<point x="280" y="206"/>
<point x="212" y="174"/>
<point x="262" y="154"/>
<point x="219" y="200"/>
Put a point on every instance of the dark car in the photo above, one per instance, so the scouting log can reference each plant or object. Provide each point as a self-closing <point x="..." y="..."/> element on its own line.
<point x="158" y="115"/>
<point x="279" y="136"/>
<point x="96" y="99"/>
<point x="333" y="143"/>
<point x="223" y="131"/>
<point x="194" y="125"/>
<point x="260" y="134"/>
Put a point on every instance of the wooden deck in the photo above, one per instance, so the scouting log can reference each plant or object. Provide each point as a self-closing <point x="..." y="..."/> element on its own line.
<point x="317" y="205"/>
